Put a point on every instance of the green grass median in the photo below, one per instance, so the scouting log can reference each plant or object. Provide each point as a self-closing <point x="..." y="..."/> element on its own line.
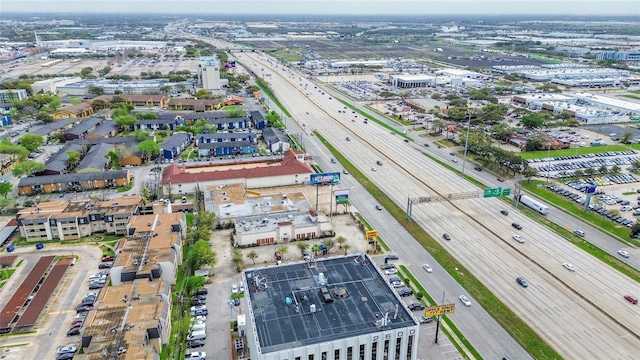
<point x="515" y="326"/>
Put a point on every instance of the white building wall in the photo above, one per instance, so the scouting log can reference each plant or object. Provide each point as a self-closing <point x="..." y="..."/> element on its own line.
<point x="210" y="77"/>
<point x="343" y="345"/>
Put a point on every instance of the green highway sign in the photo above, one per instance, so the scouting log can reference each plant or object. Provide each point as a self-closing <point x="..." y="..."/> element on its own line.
<point x="506" y="192"/>
<point x="492" y="192"/>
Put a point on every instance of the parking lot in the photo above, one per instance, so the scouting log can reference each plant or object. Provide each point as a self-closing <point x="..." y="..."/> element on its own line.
<point x="565" y="166"/>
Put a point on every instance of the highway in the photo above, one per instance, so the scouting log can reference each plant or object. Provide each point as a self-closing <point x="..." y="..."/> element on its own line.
<point x="581" y="314"/>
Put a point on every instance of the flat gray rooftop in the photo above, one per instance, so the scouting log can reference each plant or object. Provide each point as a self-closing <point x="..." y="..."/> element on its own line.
<point x="281" y="298"/>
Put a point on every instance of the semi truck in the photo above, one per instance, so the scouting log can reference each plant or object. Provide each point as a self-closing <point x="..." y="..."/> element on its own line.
<point x="534" y="204"/>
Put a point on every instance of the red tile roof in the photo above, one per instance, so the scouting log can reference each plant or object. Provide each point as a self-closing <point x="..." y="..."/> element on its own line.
<point x="176" y="174"/>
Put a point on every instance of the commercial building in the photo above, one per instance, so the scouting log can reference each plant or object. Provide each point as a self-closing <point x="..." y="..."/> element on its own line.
<point x="348" y="64"/>
<point x="7" y="96"/>
<point x="256" y="172"/>
<point x="585" y="107"/>
<point x="51" y="85"/>
<point x="71" y="220"/>
<point x="209" y="73"/>
<point x="335" y="308"/>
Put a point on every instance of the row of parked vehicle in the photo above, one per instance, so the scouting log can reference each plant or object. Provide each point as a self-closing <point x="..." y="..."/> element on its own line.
<point x="405" y="291"/>
<point x="597" y="208"/>
<point x="583" y="156"/>
<point x="198" y="324"/>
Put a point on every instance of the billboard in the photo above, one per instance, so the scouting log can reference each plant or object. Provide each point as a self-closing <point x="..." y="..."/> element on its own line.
<point x="324" y="178"/>
<point x="342" y="196"/>
<point x="370" y="234"/>
<point x="591" y="189"/>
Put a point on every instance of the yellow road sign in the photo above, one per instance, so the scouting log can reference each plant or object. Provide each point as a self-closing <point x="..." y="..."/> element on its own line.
<point x="371" y="234"/>
<point x="439" y="310"/>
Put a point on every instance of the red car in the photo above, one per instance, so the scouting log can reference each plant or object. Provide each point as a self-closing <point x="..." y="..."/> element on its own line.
<point x="107" y="258"/>
<point x="631" y="299"/>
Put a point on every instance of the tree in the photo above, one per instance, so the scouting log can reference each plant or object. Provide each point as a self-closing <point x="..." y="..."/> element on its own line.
<point x="125" y="122"/>
<point x="603" y="169"/>
<point x="531" y="121"/>
<point x="234" y="86"/>
<point x="27" y="168"/>
<point x="237" y="259"/>
<point x="438" y="125"/>
<point x="626" y="137"/>
<point x="192" y="283"/>
<point x="147" y="115"/>
<point x="73" y="158"/>
<point x="235" y="113"/>
<point x="141" y="135"/>
<point x="502" y="131"/>
<point x="5" y="188"/>
<point x="330" y="243"/>
<point x="283" y="249"/>
<point x="85" y="73"/>
<point x="589" y="171"/>
<point x="17" y="152"/>
<point x="148" y="148"/>
<point x="203" y="94"/>
<point x="302" y="246"/>
<point x="251" y="89"/>
<point x="341" y="240"/>
<point x="536" y="142"/>
<point x="97" y="90"/>
<point x="316" y="248"/>
<point x="346" y="248"/>
<point x="458" y="113"/>
<point x="201" y="254"/>
<point x="31" y="141"/>
<point x="253" y="255"/>
<point x="578" y="172"/>
<point x="44" y="117"/>
<point x="99" y="104"/>
<point x="529" y="172"/>
<point x="113" y="160"/>
<point x="615" y="169"/>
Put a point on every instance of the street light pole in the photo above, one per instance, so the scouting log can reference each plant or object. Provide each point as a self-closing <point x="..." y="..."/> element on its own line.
<point x="466" y="145"/>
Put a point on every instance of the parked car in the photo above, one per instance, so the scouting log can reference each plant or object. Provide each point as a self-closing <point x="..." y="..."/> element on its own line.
<point x="107" y="258"/>
<point x="65" y="356"/>
<point x="425" y="319"/>
<point x="415" y="306"/>
<point x="104" y="265"/>
<point x="67" y="349"/>
<point x="195" y="343"/>
<point x="74" y="331"/>
<point x="405" y="292"/>
<point x="391" y="271"/>
<point x="199" y="355"/>
<point x="387" y="266"/>
<point x="391" y="257"/>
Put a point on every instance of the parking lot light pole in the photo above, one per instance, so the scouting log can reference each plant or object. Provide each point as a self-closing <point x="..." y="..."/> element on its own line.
<point x="549" y="157"/>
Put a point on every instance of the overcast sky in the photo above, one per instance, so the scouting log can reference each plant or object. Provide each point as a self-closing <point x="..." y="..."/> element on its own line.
<point x="320" y="7"/>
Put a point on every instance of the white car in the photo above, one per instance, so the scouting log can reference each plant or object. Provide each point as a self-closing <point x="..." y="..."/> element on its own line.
<point x="518" y="238"/>
<point x="374" y="169"/>
<point x="569" y="266"/>
<point x="427" y="268"/>
<point x="67" y="349"/>
<point x="626" y="208"/>
<point x="198" y="307"/>
<point x="234" y="288"/>
<point x="391" y="272"/>
<point x="623" y="253"/>
<point x="465" y="300"/>
<point x="241" y="286"/>
<point x="198" y="355"/>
